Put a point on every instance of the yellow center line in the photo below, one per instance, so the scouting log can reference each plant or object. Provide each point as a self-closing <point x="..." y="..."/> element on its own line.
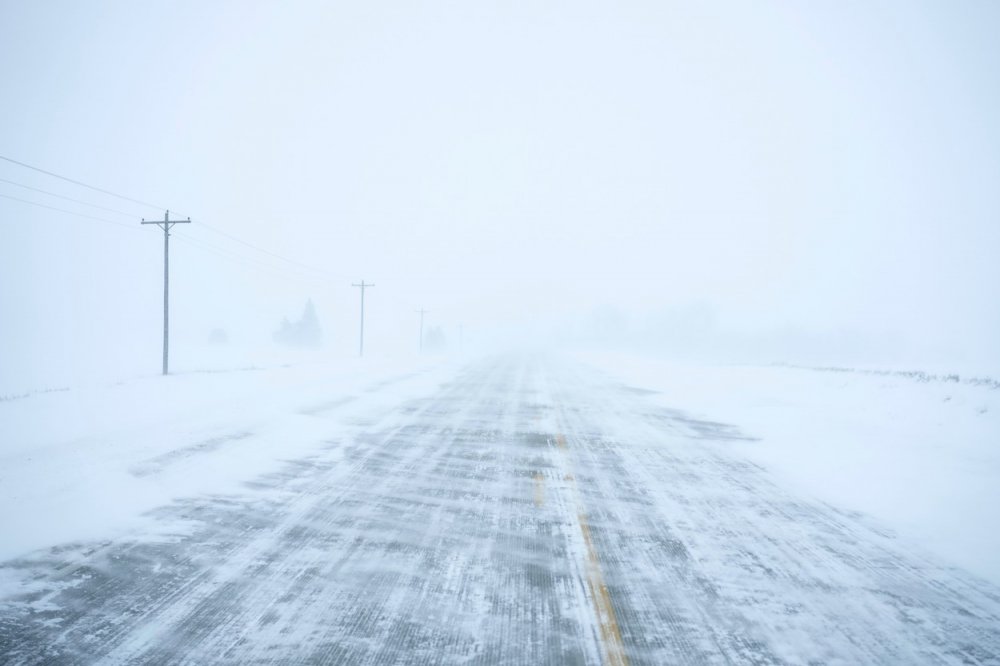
<point x="607" y="621"/>
<point x="611" y="637"/>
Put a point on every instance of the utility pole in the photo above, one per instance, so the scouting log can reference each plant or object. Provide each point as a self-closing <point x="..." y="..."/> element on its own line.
<point x="361" y="351"/>
<point x="166" y="224"/>
<point x="422" y="313"/>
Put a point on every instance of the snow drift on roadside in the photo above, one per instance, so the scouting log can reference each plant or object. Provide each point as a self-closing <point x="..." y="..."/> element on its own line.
<point x="86" y="463"/>
<point x="922" y="457"/>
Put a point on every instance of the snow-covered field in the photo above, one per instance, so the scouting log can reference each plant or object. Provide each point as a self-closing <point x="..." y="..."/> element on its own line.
<point x="86" y="463"/>
<point x="922" y="457"/>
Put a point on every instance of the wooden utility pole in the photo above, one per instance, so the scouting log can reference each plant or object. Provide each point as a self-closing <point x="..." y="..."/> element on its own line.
<point x="361" y="351"/>
<point x="422" y="313"/>
<point x="166" y="224"/>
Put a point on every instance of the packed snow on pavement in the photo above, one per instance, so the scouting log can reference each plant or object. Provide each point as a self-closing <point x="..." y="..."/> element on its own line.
<point x="587" y="508"/>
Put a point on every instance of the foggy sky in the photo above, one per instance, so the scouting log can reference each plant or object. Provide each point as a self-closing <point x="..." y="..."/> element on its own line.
<point x="824" y="173"/>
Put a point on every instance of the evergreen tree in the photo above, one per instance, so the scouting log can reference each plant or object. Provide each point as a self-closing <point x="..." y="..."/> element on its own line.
<point x="306" y="332"/>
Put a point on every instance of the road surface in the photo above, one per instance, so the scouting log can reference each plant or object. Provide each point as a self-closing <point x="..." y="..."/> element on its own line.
<point x="529" y="511"/>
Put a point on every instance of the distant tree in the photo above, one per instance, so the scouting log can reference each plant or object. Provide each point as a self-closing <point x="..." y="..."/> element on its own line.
<point x="310" y="333"/>
<point x="218" y="336"/>
<point x="306" y="332"/>
<point x="434" y="339"/>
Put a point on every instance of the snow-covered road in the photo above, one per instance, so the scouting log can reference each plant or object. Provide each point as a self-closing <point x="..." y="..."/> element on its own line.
<point x="528" y="511"/>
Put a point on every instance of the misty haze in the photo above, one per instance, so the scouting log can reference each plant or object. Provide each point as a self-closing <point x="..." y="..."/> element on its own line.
<point x="497" y="333"/>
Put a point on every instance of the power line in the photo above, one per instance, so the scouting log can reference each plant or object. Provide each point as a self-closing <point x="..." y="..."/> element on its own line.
<point x="70" y="212"/>
<point x="247" y="260"/>
<point x="77" y="182"/>
<point x="146" y="203"/>
<point x="201" y="244"/>
<point x="59" y="196"/>
<point x="268" y="252"/>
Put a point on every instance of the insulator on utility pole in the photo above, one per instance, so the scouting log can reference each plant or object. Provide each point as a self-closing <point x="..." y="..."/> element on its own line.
<point x="363" y="286"/>
<point x="166" y="225"/>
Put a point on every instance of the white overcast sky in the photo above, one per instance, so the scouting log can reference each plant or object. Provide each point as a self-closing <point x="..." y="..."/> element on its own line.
<point x="817" y="166"/>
